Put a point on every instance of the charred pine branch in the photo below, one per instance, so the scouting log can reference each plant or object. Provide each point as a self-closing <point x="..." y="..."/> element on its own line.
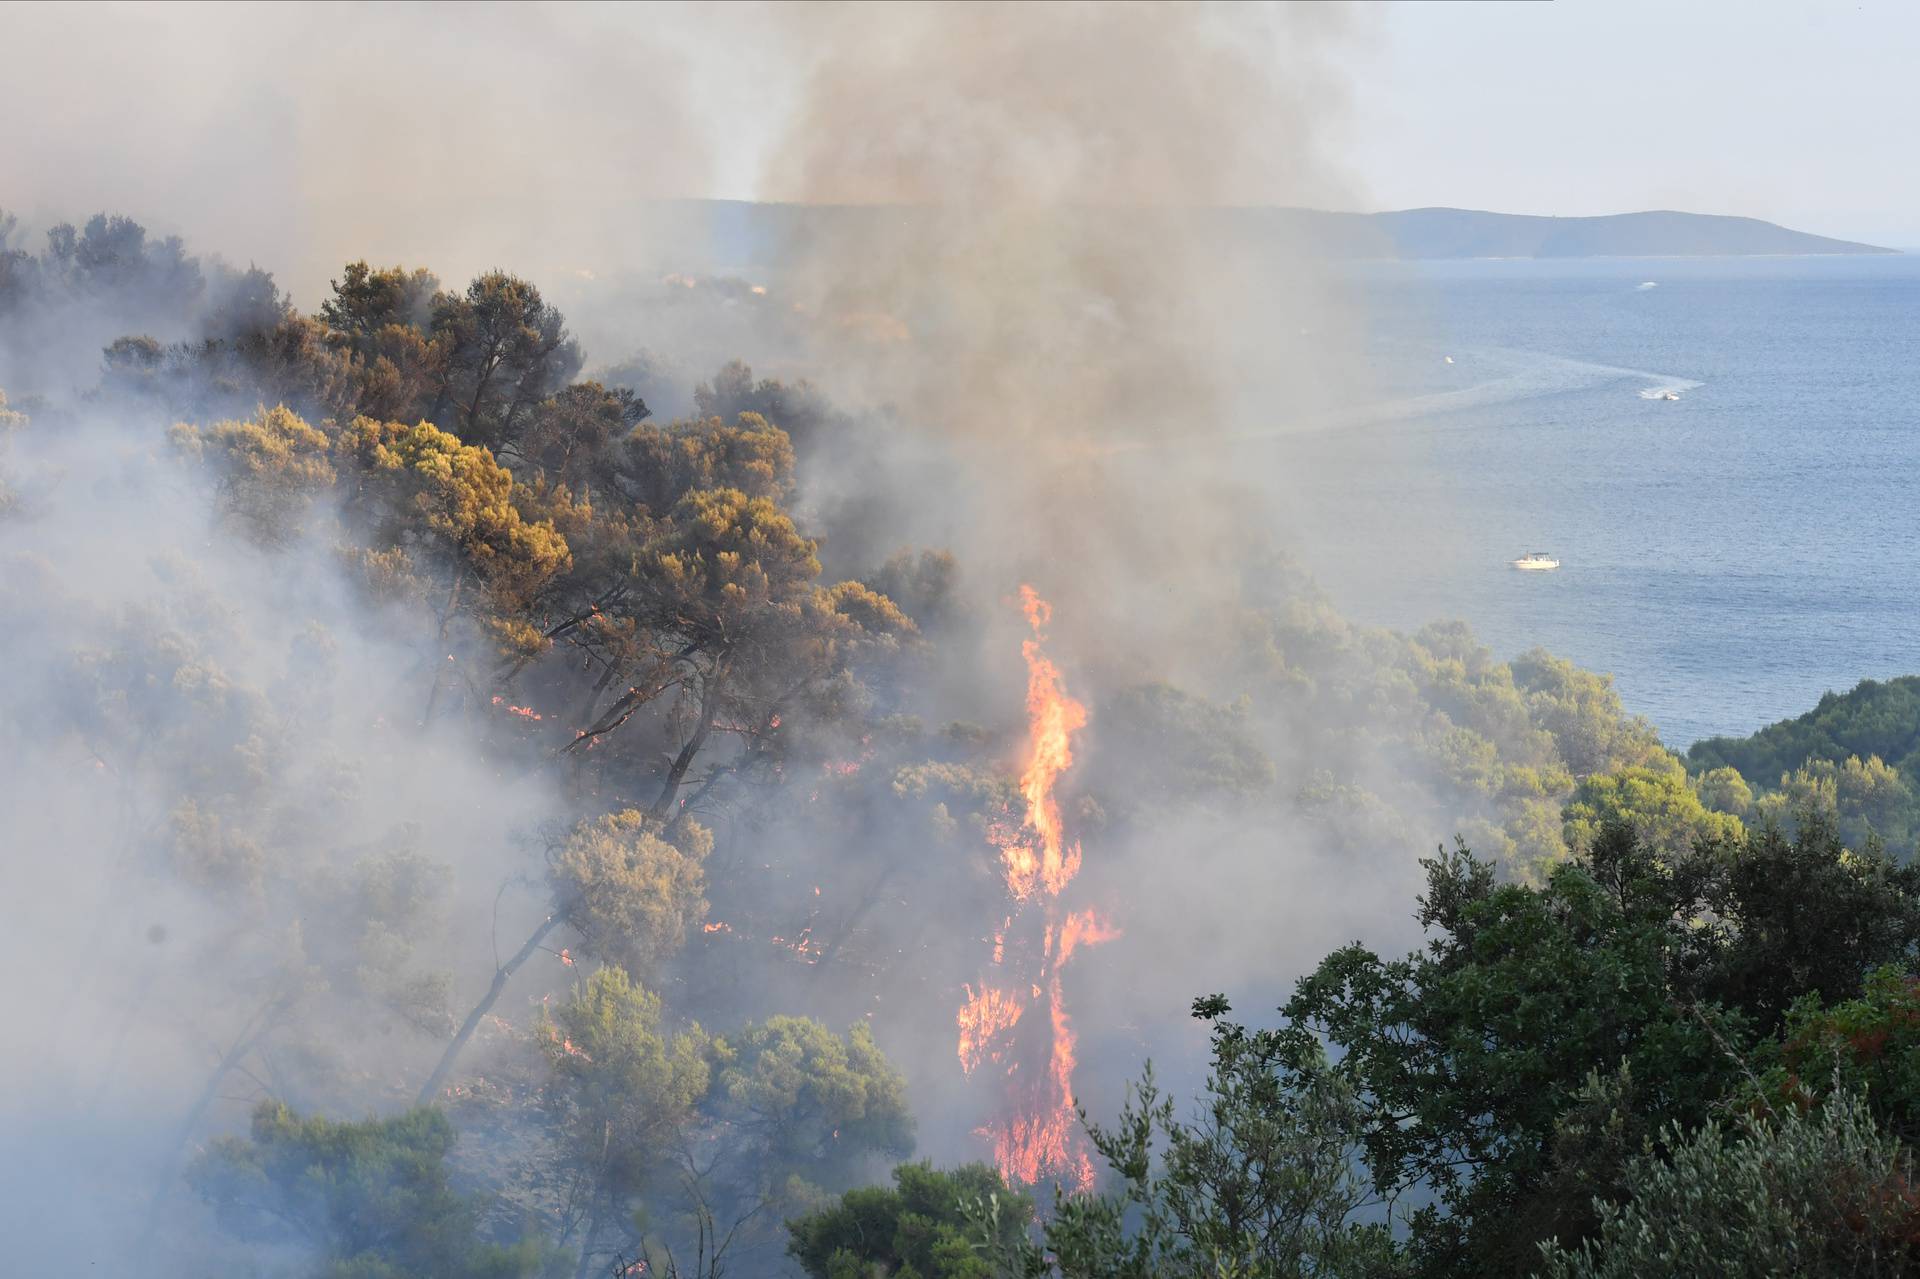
<point x="623" y="709"/>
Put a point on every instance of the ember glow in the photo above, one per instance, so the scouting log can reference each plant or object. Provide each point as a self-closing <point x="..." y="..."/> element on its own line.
<point x="566" y="1044"/>
<point x="850" y="767"/>
<point x="1035" y="1135"/>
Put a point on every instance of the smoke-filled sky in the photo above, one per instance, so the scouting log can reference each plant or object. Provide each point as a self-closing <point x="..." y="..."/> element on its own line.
<point x="302" y="136"/>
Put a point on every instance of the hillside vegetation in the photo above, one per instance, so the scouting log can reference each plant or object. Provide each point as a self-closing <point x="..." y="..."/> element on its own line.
<point x="567" y="869"/>
<point x="1855" y="757"/>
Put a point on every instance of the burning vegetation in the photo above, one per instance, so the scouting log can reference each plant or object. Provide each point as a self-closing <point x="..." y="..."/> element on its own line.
<point x="1035" y="1134"/>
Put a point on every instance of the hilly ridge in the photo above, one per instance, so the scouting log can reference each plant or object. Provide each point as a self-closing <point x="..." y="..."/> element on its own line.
<point x="1468" y="233"/>
<point x="753" y="232"/>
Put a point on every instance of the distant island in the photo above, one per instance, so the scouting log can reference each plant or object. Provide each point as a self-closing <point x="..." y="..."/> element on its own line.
<point x="1471" y="233"/>
<point x="751" y="232"/>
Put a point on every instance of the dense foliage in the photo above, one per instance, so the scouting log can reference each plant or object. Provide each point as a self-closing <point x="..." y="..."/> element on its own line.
<point x="928" y="1225"/>
<point x="1875" y="718"/>
<point x="371" y="1198"/>
<point x="1855" y="757"/>
<point x="1608" y="1067"/>
<point x="1810" y="1193"/>
<point x="1666" y="971"/>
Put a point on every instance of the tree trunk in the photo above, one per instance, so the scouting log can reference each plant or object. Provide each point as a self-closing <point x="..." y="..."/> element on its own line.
<point x="592" y="701"/>
<point x="585" y="1268"/>
<point x="490" y="364"/>
<point x="671" y="832"/>
<point x="852" y="921"/>
<point x="440" y="641"/>
<point x="709" y="699"/>
<point x="501" y="976"/>
<point x="259" y="1024"/>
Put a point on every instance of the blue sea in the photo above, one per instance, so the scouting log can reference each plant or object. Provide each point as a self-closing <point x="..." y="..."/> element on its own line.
<point x="1728" y="556"/>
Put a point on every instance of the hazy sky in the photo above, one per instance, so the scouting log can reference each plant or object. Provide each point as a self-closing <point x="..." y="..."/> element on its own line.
<point x="1802" y="113"/>
<point x="301" y="135"/>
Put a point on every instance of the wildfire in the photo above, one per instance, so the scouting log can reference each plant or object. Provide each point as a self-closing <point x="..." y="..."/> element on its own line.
<point x="567" y="1045"/>
<point x="850" y="767"/>
<point x="524" y="712"/>
<point x="1037" y="1134"/>
<point x="1082" y="928"/>
<point x="803" y="945"/>
<point x="1053" y="719"/>
<point x="983" y="1019"/>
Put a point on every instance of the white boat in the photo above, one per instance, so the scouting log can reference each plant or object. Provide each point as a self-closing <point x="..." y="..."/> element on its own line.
<point x="1669" y="395"/>
<point x="1536" y="561"/>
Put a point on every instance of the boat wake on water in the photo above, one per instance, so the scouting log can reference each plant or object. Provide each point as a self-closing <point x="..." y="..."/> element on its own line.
<point x="1519" y="375"/>
<point x="1668" y="390"/>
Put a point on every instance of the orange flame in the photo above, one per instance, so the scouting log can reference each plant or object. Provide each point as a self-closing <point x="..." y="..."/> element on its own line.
<point x="566" y="1044"/>
<point x="850" y="767"/>
<point x="984" y="1018"/>
<point x="1052" y="719"/>
<point x="800" y="945"/>
<point x="1082" y="928"/>
<point x="1038" y="1136"/>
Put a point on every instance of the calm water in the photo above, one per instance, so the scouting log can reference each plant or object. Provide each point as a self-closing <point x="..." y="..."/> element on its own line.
<point x="1729" y="556"/>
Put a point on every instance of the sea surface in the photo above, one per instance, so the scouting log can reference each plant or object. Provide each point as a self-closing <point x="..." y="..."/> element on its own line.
<point x="1728" y="556"/>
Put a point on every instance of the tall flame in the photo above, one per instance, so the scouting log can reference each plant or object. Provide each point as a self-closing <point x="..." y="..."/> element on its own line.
<point x="1035" y="1134"/>
<point x="1052" y="720"/>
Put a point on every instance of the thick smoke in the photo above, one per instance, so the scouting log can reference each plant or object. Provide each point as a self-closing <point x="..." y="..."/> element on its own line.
<point x="331" y="862"/>
<point x="1057" y="297"/>
<point x="300" y="137"/>
<point x="1061" y="297"/>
